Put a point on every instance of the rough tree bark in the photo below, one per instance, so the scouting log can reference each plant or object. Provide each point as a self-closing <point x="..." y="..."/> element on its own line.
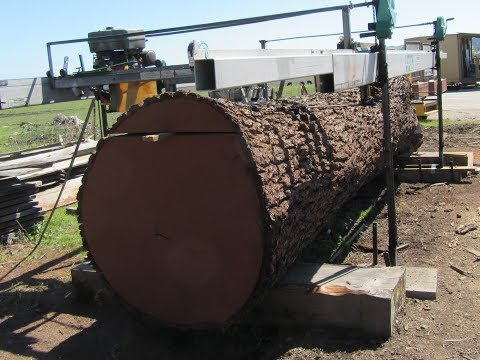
<point x="237" y="192"/>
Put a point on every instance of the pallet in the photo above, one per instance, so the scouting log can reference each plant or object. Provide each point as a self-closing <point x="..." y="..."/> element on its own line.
<point x="423" y="167"/>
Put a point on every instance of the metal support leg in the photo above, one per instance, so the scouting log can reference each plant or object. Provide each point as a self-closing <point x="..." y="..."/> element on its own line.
<point x="103" y="119"/>
<point x="375" y="243"/>
<point x="439" y="104"/>
<point x="263" y="44"/>
<point x="280" y="89"/>
<point x="388" y="158"/>
<point x="347" y="30"/>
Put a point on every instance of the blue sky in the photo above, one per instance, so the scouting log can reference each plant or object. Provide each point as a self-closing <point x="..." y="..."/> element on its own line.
<point x="27" y="26"/>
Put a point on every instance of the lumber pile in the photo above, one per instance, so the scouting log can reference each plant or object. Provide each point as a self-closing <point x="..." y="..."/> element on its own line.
<point x="31" y="180"/>
<point x="196" y="207"/>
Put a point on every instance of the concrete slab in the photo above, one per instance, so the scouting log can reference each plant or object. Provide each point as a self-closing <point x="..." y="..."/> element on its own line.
<point x="421" y="283"/>
<point x="339" y="296"/>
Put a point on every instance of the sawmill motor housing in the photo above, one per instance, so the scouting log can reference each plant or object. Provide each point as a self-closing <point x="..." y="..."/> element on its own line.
<point x="120" y="51"/>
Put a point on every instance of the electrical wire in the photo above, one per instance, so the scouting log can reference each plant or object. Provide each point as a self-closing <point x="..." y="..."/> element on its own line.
<point x="55" y="206"/>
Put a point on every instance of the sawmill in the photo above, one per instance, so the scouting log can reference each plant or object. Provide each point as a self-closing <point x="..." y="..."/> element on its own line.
<point x="194" y="209"/>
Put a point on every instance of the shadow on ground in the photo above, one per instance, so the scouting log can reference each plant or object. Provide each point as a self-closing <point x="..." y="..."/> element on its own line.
<point x="44" y="306"/>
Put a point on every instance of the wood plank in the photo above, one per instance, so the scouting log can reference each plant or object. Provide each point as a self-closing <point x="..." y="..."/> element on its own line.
<point x="13" y="173"/>
<point x="17" y="195"/>
<point x="20" y="188"/>
<point x="22" y="153"/>
<point x="18" y="200"/>
<point x="46" y="199"/>
<point x="28" y="226"/>
<point x="19" y="214"/>
<point x="47" y="159"/>
<point x="458" y="158"/>
<point x="433" y="175"/>
<point x="22" y="219"/>
<point x="56" y="168"/>
<point x="18" y="207"/>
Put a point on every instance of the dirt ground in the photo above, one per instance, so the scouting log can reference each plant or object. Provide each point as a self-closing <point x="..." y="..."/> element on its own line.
<point x="41" y="319"/>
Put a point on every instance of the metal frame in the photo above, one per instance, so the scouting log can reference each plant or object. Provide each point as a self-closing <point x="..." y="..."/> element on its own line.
<point x="225" y="69"/>
<point x="206" y="26"/>
<point x="176" y="74"/>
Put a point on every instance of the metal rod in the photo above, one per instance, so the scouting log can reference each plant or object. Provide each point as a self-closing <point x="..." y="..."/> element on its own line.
<point x="313" y="36"/>
<point x="439" y="104"/>
<point x="265" y="85"/>
<point x="352" y="32"/>
<point x="347" y="30"/>
<point x="217" y="25"/>
<point x="103" y="119"/>
<point x="82" y="66"/>
<point x="50" y="64"/>
<point x="375" y="243"/>
<point x="388" y="156"/>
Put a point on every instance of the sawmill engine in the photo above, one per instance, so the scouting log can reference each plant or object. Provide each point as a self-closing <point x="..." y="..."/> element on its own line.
<point x="120" y="52"/>
<point x="124" y="52"/>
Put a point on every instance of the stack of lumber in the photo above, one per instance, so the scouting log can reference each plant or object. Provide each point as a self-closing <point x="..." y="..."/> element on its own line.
<point x="30" y="182"/>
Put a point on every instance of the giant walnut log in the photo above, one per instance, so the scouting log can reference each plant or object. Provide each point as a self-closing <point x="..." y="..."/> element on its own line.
<point x="194" y="224"/>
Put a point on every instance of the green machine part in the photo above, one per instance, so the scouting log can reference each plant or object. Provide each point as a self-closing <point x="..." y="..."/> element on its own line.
<point x="386" y="17"/>
<point x="440" y="28"/>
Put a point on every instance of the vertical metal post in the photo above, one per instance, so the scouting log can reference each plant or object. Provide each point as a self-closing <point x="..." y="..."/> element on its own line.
<point x="50" y="66"/>
<point x="103" y="119"/>
<point x="388" y="156"/>
<point x="439" y="104"/>
<point x="82" y="66"/>
<point x="347" y="30"/>
<point x="94" y="122"/>
<point x="263" y="44"/>
<point x="375" y="243"/>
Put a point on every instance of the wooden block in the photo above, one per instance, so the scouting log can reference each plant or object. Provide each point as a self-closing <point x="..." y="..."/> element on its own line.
<point x="348" y="297"/>
<point x="433" y="174"/>
<point x="89" y="284"/>
<point x="150" y="138"/>
<point x="458" y="158"/>
<point x="421" y="283"/>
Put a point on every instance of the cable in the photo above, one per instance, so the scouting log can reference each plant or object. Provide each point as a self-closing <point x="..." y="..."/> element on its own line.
<point x="311" y="36"/>
<point x="55" y="206"/>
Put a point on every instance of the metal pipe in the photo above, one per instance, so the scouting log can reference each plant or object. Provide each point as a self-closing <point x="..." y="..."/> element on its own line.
<point x="50" y="65"/>
<point x="82" y="66"/>
<point x="375" y="243"/>
<point x="216" y="25"/>
<point x="439" y="105"/>
<point x="265" y="85"/>
<point x="103" y="119"/>
<point x="313" y="36"/>
<point x="347" y="30"/>
<point x="388" y="156"/>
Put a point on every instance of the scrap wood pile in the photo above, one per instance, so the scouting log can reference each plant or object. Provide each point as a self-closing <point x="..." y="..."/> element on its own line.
<point x="30" y="182"/>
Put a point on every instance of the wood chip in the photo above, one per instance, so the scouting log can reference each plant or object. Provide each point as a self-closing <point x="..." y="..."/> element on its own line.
<point x="402" y="247"/>
<point x="459" y="270"/>
<point x="474" y="252"/>
<point x="463" y="229"/>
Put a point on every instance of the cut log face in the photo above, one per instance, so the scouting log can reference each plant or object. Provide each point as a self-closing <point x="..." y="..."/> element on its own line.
<point x="194" y="224"/>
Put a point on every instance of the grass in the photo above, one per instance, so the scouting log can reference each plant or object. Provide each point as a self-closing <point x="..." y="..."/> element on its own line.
<point x="294" y="90"/>
<point x="35" y="126"/>
<point x="63" y="232"/>
<point x="429" y="123"/>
